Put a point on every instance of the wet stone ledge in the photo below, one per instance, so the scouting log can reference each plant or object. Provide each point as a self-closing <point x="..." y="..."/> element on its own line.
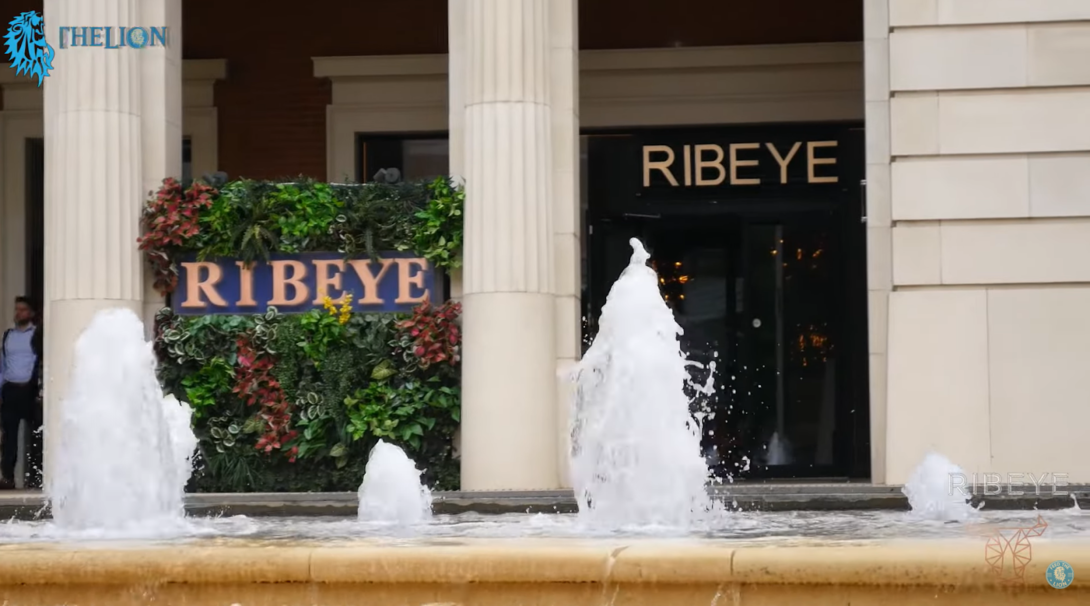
<point x="615" y="571"/>
<point x="746" y="497"/>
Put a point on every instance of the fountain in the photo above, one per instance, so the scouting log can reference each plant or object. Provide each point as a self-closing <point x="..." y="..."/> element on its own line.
<point x="931" y="493"/>
<point x="391" y="492"/>
<point x="778" y="450"/>
<point x="126" y="455"/>
<point x="636" y="455"/>
<point x="646" y="526"/>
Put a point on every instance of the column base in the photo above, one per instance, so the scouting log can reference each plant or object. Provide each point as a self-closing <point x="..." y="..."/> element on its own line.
<point x="509" y="409"/>
<point x="565" y="395"/>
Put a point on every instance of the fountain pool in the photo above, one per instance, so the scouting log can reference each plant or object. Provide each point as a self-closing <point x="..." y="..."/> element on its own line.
<point x="767" y="559"/>
<point x="764" y="528"/>
<point x="647" y="532"/>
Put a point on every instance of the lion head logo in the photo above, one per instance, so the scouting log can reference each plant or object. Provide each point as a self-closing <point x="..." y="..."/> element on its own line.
<point x="26" y="47"/>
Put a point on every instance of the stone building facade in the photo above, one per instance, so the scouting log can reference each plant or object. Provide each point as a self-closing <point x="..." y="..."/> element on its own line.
<point x="970" y="193"/>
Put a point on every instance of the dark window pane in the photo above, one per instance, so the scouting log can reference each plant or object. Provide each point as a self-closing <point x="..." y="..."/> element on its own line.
<point x="414" y="158"/>
<point x="187" y="160"/>
<point x="425" y="158"/>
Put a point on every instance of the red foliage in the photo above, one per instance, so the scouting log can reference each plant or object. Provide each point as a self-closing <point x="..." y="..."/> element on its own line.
<point x="433" y="333"/>
<point x="257" y="386"/>
<point x="169" y="220"/>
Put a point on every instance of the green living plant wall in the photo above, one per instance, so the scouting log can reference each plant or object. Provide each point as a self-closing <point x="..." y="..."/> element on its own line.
<point x="294" y="402"/>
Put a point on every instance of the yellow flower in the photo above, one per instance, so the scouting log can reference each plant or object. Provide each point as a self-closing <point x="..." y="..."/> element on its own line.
<point x="327" y="303"/>
<point x="346" y="309"/>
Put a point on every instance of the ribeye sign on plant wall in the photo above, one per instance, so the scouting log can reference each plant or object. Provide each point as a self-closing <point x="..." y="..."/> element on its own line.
<point x="393" y="282"/>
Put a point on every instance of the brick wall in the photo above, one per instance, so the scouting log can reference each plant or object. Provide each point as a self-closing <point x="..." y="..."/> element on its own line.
<point x="271" y="107"/>
<point x="605" y="24"/>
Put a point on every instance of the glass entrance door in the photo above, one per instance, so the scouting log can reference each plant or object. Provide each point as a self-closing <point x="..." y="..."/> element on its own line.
<point x="784" y="391"/>
<point x="763" y="300"/>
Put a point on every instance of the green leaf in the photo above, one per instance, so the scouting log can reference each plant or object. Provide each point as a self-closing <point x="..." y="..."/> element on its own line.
<point x="383" y="371"/>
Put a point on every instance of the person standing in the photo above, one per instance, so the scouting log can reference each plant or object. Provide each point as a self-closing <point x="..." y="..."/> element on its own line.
<point x="20" y="391"/>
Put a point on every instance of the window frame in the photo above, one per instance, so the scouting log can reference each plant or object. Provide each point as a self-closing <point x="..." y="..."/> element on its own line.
<point x="364" y="171"/>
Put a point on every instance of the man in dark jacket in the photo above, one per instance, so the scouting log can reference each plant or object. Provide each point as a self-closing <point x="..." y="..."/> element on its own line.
<point x="20" y="391"/>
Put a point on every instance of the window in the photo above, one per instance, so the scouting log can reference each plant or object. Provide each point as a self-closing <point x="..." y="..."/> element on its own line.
<point x="415" y="157"/>
<point x="187" y="161"/>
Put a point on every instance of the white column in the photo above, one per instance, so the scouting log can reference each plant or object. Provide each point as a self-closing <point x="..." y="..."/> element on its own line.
<point x="95" y="144"/>
<point x="456" y="106"/>
<point x="161" y="120"/>
<point x="879" y="224"/>
<point x="509" y="419"/>
<point x="567" y="225"/>
<point x="456" y="83"/>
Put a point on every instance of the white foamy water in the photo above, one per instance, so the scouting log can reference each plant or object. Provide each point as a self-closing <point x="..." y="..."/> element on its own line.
<point x="931" y="492"/>
<point x="126" y="451"/>
<point x="391" y="492"/>
<point x="778" y="450"/>
<point x="636" y="456"/>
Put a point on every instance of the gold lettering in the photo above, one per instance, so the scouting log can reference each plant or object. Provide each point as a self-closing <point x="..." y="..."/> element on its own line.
<point x="689" y="164"/>
<point x="735" y="163"/>
<point x="245" y="284"/>
<point x="369" y="280"/>
<point x="322" y="280"/>
<point x="195" y="287"/>
<point x="281" y="281"/>
<point x="407" y="279"/>
<point x="811" y="161"/>
<point x="717" y="164"/>
<point x="783" y="162"/>
<point x="660" y="165"/>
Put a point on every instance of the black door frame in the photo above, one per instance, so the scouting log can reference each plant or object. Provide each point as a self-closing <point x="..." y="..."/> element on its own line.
<point x="35" y="220"/>
<point x="852" y="439"/>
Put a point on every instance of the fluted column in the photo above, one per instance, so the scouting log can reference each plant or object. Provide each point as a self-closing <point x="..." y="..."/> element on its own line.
<point x="567" y="214"/>
<point x="161" y="118"/>
<point x="509" y="419"/>
<point x="96" y="110"/>
<point x="456" y="107"/>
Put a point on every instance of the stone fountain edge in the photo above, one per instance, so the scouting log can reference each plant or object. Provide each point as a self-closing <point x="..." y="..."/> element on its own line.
<point x="953" y="563"/>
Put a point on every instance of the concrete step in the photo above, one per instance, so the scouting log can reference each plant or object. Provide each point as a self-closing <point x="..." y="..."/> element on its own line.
<point x="772" y="496"/>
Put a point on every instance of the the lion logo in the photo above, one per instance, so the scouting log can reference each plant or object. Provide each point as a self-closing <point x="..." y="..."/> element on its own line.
<point x="1060" y="574"/>
<point x="26" y="47"/>
<point x="1008" y="551"/>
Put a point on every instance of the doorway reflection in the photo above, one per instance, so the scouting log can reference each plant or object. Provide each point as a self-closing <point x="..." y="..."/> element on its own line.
<point x="759" y="302"/>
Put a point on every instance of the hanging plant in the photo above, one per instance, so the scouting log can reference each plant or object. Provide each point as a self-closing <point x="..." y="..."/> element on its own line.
<point x="170" y="219"/>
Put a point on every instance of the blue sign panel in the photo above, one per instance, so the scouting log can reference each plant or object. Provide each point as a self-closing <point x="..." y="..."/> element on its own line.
<point x="396" y="281"/>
